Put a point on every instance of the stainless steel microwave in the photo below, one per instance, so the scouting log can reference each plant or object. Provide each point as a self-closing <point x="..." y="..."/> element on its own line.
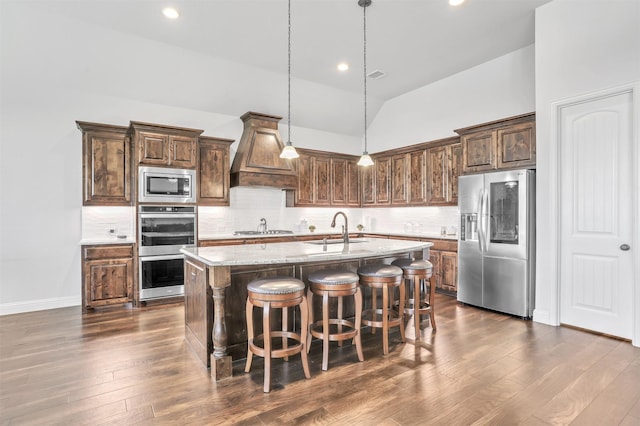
<point x="165" y="185"/>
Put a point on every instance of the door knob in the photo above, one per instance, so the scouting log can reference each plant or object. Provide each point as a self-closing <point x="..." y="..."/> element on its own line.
<point x="625" y="247"/>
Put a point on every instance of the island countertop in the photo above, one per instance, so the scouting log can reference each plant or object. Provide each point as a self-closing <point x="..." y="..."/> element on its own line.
<point x="301" y="252"/>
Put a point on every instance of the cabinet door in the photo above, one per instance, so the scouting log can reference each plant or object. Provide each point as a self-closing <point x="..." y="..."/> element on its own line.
<point x="182" y="151"/>
<point x="417" y="191"/>
<point x="106" y="169"/>
<point x="383" y="180"/>
<point x="434" y="258"/>
<point x="479" y="151"/>
<point x="399" y="179"/>
<point x="153" y="148"/>
<point x="213" y="174"/>
<point x="517" y="146"/>
<point x="368" y="185"/>
<point x="455" y="169"/>
<point x="338" y="181"/>
<point x="304" y="192"/>
<point x="449" y="271"/>
<point x="108" y="281"/>
<point x="438" y="175"/>
<point x="353" y="184"/>
<point x="322" y="181"/>
<point x="196" y="304"/>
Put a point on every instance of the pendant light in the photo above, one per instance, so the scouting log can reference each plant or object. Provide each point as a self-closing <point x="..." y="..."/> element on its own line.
<point x="289" y="151"/>
<point x="365" y="159"/>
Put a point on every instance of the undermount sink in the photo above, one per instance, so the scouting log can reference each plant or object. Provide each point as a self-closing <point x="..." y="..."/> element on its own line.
<point x="269" y="232"/>
<point x="337" y="241"/>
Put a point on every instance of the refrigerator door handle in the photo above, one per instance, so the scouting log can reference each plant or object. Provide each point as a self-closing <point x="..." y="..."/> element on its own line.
<point x="479" y="221"/>
<point x="487" y="224"/>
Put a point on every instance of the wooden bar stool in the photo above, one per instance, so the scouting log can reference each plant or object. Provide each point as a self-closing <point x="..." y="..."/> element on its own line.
<point x="416" y="273"/>
<point x="386" y="278"/>
<point x="334" y="283"/>
<point x="283" y="293"/>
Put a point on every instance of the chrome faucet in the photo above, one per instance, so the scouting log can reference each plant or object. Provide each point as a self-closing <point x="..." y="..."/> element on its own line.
<point x="345" y="227"/>
<point x="262" y="227"/>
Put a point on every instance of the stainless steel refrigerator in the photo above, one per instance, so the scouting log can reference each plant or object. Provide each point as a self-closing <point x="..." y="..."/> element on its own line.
<point x="496" y="246"/>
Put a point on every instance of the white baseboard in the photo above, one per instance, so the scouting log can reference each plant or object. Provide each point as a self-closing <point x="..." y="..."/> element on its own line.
<point x="39" y="305"/>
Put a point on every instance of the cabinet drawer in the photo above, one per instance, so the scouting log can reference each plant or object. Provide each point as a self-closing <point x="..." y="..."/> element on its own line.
<point x="107" y="252"/>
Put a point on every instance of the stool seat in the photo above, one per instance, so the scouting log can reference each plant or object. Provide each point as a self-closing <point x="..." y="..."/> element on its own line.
<point x="379" y="271"/>
<point x="275" y="285"/>
<point x="334" y="283"/>
<point x="333" y="277"/>
<point x="411" y="264"/>
<point x="386" y="278"/>
<point x="283" y="293"/>
<point x="417" y="273"/>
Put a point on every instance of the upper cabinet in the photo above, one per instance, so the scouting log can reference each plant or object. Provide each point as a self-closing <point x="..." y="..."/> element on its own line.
<point x="159" y="145"/>
<point x="444" y="168"/>
<point x="213" y="171"/>
<point x="106" y="164"/>
<point x="502" y="144"/>
<point x="325" y="179"/>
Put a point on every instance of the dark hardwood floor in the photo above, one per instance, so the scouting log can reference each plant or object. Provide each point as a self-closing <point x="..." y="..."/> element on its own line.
<point x="132" y="366"/>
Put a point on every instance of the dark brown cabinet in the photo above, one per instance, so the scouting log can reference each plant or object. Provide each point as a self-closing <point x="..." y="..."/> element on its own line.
<point x="444" y="169"/>
<point x="416" y="179"/>
<point x="107" y="275"/>
<point x="399" y="172"/>
<point x="382" y="180"/>
<point x="444" y="257"/>
<point x="159" y="145"/>
<point x="213" y="171"/>
<point x="502" y="144"/>
<point x="106" y="164"/>
<point x="325" y="179"/>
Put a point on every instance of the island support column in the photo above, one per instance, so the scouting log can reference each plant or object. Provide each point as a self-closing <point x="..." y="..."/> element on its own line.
<point x="219" y="280"/>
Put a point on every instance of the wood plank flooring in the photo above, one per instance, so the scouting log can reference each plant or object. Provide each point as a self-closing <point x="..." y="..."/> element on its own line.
<point x="132" y="366"/>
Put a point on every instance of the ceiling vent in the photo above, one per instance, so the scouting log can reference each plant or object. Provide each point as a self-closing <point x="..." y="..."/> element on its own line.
<point x="257" y="161"/>
<point x="376" y="74"/>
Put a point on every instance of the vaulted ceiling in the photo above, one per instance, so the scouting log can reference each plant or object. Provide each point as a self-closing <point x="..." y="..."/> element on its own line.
<point x="414" y="42"/>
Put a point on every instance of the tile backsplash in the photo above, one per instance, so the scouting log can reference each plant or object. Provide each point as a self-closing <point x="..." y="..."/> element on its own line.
<point x="249" y="205"/>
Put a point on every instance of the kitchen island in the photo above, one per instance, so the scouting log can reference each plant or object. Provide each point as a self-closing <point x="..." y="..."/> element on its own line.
<point x="216" y="278"/>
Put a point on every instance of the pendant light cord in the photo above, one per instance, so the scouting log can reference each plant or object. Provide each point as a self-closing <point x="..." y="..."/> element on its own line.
<point x="364" y="11"/>
<point x="289" y="81"/>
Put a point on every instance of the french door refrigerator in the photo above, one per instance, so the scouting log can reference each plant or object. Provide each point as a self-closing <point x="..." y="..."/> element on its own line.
<point x="496" y="246"/>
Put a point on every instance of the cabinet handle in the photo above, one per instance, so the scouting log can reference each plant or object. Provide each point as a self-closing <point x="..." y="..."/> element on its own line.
<point x="625" y="247"/>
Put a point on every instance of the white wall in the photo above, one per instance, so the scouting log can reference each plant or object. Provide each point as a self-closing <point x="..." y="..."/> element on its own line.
<point x="581" y="47"/>
<point x="496" y="89"/>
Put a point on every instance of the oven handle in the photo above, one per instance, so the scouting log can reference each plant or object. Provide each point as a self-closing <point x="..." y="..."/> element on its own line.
<point x="165" y="257"/>
<point x="165" y="215"/>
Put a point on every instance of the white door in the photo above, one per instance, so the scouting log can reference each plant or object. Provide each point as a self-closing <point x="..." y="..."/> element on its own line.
<point x="597" y="210"/>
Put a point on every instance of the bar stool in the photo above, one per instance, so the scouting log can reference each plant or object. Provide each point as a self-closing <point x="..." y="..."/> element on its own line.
<point x="417" y="272"/>
<point x="386" y="278"/>
<point x="334" y="283"/>
<point x="276" y="292"/>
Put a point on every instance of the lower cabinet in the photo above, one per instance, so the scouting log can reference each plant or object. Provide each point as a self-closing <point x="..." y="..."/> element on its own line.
<point x="107" y="275"/>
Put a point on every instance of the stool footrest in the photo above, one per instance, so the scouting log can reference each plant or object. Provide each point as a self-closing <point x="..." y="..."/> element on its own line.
<point x="317" y="331"/>
<point x="370" y="317"/>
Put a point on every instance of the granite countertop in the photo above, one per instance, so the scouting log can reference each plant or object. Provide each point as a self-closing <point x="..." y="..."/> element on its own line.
<point x="107" y="240"/>
<point x="229" y="236"/>
<point x="301" y="252"/>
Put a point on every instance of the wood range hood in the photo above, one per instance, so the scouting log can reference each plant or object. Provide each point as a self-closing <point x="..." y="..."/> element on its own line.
<point x="257" y="161"/>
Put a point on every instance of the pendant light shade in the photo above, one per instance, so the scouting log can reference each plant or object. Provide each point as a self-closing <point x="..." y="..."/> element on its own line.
<point x="365" y="159"/>
<point x="289" y="151"/>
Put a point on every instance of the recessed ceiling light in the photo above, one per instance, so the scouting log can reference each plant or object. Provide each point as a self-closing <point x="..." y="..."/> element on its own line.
<point x="343" y="66"/>
<point x="170" y="13"/>
<point x="456" y="2"/>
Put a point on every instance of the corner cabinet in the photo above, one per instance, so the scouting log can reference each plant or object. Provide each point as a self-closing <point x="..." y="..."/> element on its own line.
<point x="159" y="145"/>
<point x="107" y="275"/>
<point x="213" y="171"/>
<point x="106" y="165"/>
<point x="499" y="145"/>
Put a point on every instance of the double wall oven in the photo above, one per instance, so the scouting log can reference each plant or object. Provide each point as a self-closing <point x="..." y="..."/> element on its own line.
<point x="162" y="232"/>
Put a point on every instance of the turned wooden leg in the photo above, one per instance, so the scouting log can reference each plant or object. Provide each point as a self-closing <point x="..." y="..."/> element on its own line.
<point x="266" y="333"/>
<point x="307" y="330"/>
<point x="249" y="316"/>
<point x="304" y="325"/>
<point x="401" y="312"/>
<point x="325" y="331"/>
<point x="432" y="297"/>
<point x="416" y="305"/>
<point x="358" y="306"/>
<point x="385" y="319"/>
